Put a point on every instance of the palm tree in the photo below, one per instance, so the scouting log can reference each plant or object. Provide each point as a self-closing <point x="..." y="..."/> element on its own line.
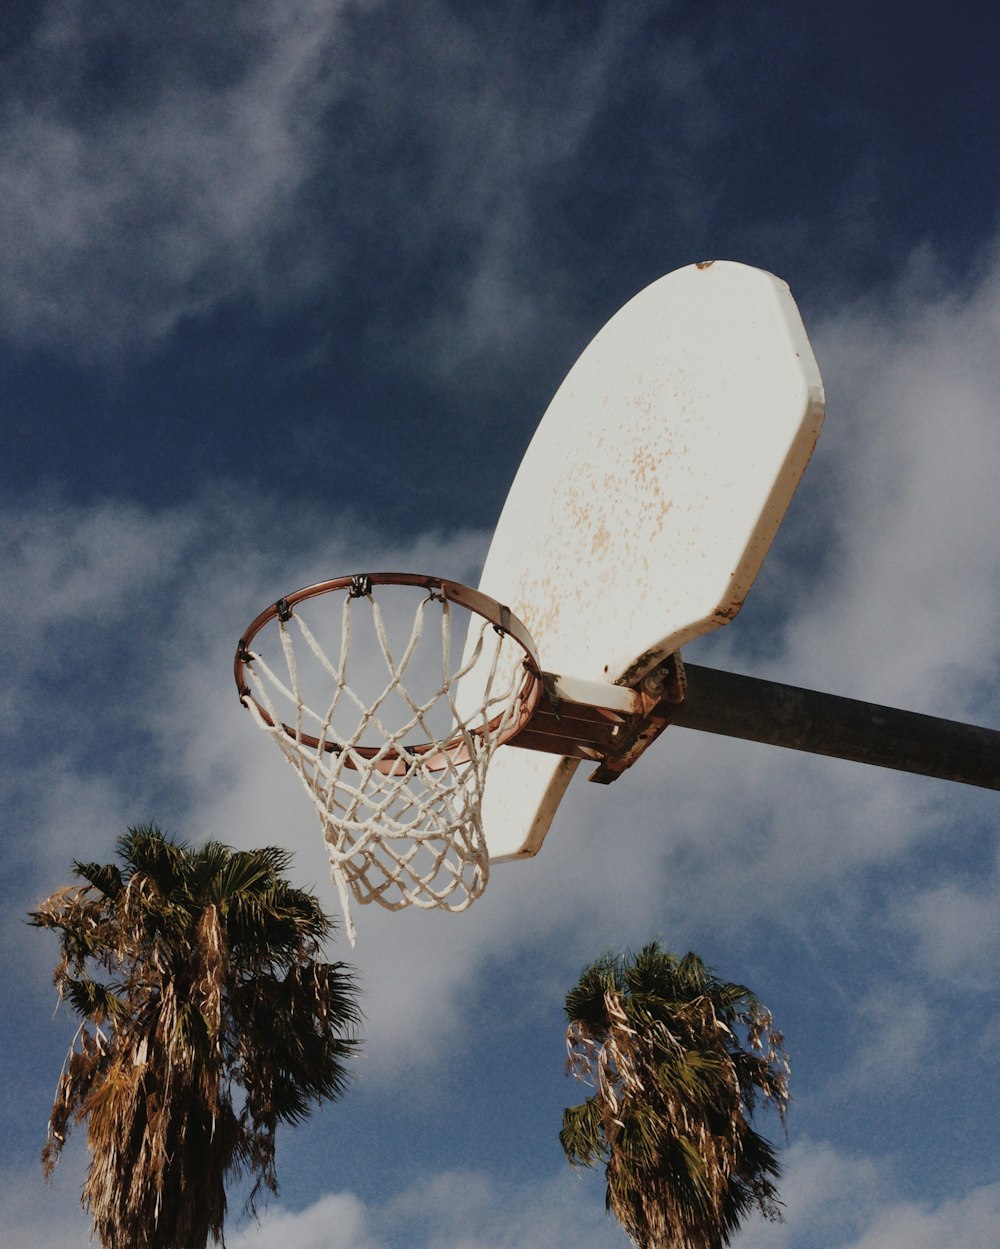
<point x="207" y="1018"/>
<point x="679" y="1061"/>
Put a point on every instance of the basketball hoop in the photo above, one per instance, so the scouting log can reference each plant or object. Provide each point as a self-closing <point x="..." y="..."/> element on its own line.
<point x="402" y="822"/>
<point x="613" y="547"/>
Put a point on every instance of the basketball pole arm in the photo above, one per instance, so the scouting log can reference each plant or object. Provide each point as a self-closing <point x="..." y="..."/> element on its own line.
<point x="842" y="728"/>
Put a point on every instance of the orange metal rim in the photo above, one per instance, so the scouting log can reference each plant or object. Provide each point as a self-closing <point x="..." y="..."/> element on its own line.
<point x="435" y="755"/>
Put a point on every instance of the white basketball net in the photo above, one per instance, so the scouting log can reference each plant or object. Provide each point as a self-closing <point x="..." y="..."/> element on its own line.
<point x="403" y="827"/>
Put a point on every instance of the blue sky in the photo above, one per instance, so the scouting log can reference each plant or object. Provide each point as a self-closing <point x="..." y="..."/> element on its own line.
<point x="284" y="289"/>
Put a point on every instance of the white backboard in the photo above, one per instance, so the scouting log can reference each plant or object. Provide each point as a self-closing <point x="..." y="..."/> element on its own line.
<point x="649" y="495"/>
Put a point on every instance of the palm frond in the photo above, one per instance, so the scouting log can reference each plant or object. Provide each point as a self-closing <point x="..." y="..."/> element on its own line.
<point x="103" y="876"/>
<point x="93" y="1000"/>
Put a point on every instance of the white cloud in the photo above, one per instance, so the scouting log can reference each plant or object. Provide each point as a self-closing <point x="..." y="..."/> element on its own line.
<point x="894" y="1031"/>
<point x="835" y="1200"/>
<point x="827" y="1196"/>
<point x="957" y="928"/>
<point x="80" y="566"/>
<point x="118" y="223"/>
<point x="968" y="1222"/>
<point x="452" y="1210"/>
<point x="831" y="1200"/>
<point x="905" y="609"/>
<point x="337" y="1221"/>
<point x="249" y="157"/>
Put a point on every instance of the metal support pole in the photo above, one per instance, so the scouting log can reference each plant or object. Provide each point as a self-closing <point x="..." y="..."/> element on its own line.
<point x="843" y="728"/>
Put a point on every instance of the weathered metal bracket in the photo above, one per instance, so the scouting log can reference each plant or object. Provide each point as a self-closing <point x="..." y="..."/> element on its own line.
<point x="611" y="725"/>
<point x="580" y="719"/>
<point x="662" y="691"/>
